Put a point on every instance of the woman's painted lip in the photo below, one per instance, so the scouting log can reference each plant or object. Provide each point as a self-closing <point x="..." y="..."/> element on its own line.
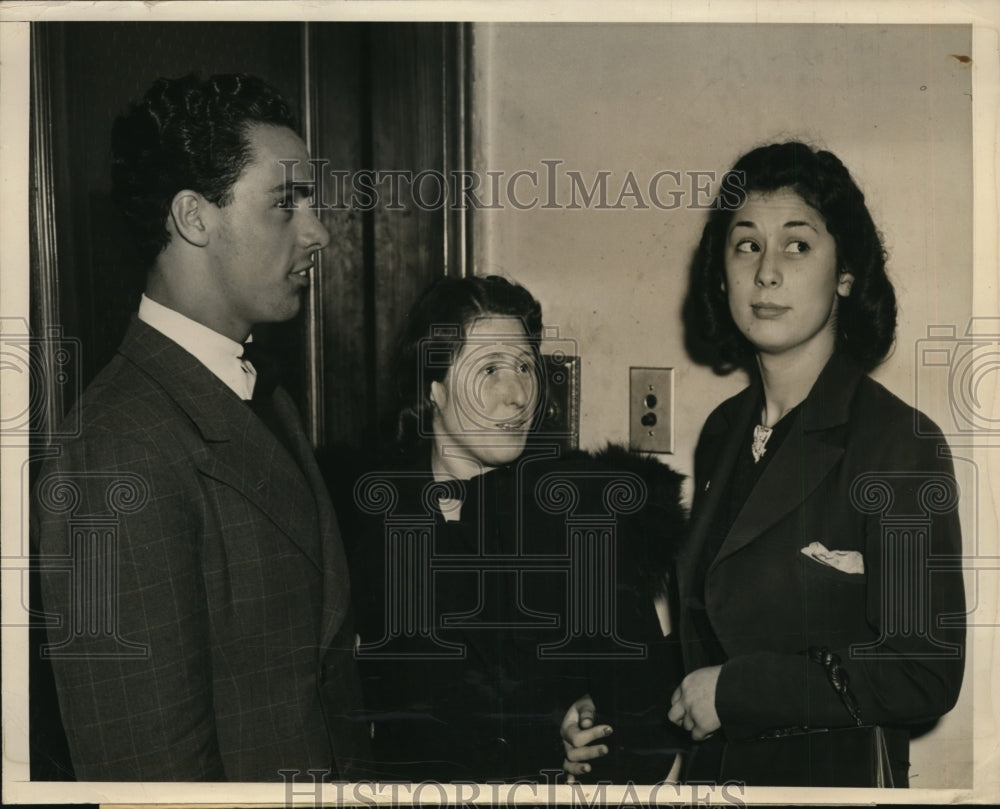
<point x="769" y="311"/>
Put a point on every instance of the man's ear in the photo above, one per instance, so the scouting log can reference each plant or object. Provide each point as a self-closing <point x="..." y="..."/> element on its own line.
<point x="190" y="217"/>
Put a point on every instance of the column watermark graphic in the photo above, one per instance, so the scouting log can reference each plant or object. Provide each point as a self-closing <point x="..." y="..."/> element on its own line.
<point x="905" y="504"/>
<point x="587" y="624"/>
<point x="90" y="627"/>
<point x="591" y="537"/>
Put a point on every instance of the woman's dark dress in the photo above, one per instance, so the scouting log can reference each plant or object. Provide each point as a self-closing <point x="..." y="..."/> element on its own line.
<point x="502" y="585"/>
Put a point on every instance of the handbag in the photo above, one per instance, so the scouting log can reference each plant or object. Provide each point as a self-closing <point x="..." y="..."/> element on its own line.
<point x="852" y="756"/>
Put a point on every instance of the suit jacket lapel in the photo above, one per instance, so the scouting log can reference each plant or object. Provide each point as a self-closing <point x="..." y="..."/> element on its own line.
<point x="238" y="450"/>
<point x="330" y="553"/>
<point x="806" y="456"/>
<point x="256" y="464"/>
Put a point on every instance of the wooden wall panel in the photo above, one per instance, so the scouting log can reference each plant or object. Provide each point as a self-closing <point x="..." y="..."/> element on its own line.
<point x="407" y="105"/>
<point x="384" y="101"/>
<point x="339" y="114"/>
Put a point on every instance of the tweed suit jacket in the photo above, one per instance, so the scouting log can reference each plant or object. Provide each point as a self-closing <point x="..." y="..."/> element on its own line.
<point x="860" y="471"/>
<point x="195" y="581"/>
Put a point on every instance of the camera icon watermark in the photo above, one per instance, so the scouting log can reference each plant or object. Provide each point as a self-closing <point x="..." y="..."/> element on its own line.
<point x="49" y="364"/>
<point x="500" y="384"/>
<point x="956" y="377"/>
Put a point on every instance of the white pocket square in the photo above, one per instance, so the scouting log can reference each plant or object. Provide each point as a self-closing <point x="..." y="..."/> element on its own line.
<point x="845" y="561"/>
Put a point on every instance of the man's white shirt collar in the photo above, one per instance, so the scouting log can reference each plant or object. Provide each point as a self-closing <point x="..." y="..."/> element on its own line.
<point x="213" y="350"/>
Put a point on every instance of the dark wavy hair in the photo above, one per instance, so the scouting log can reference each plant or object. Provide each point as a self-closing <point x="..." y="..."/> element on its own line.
<point x="435" y="332"/>
<point x="866" y="319"/>
<point x="185" y="133"/>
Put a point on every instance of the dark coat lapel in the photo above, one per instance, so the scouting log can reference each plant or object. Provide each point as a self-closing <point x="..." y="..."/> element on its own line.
<point x="721" y="443"/>
<point x="238" y="449"/>
<point x="804" y="459"/>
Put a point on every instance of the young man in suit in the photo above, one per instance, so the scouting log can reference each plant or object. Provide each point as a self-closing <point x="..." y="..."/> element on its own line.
<point x="190" y="554"/>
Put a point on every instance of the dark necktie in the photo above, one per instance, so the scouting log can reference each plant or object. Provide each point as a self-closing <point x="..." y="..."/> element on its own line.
<point x="262" y="403"/>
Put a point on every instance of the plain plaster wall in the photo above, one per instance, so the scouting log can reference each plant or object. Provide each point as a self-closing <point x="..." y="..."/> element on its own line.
<point x="893" y="102"/>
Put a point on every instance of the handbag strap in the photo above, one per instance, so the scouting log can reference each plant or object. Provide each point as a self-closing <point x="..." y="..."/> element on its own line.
<point x="838" y="678"/>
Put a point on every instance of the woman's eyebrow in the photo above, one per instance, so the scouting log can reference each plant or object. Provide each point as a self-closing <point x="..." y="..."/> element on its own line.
<point x="797" y="223"/>
<point x="794" y="223"/>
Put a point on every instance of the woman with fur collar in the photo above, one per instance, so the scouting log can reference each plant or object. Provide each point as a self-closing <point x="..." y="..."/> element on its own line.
<point x="472" y="581"/>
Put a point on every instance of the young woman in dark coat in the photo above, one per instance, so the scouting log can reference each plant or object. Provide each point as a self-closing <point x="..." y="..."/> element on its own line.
<point x="821" y="499"/>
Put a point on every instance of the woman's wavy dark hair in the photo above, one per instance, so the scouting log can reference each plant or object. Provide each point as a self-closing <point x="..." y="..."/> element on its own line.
<point x="435" y="332"/>
<point x="866" y="319"/>
<point x="185" y="133"/>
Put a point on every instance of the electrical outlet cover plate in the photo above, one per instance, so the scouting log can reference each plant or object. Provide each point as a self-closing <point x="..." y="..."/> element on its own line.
<point x="651" y="409"/>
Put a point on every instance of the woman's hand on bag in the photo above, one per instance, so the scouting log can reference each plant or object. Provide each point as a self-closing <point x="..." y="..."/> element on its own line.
<point x="692" y="705"/>
<point x="578" y="731"/>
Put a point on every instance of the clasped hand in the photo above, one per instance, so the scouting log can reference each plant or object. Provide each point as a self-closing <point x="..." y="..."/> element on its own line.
<point x="578" y="732"/>
<point x="692" y="705"/>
